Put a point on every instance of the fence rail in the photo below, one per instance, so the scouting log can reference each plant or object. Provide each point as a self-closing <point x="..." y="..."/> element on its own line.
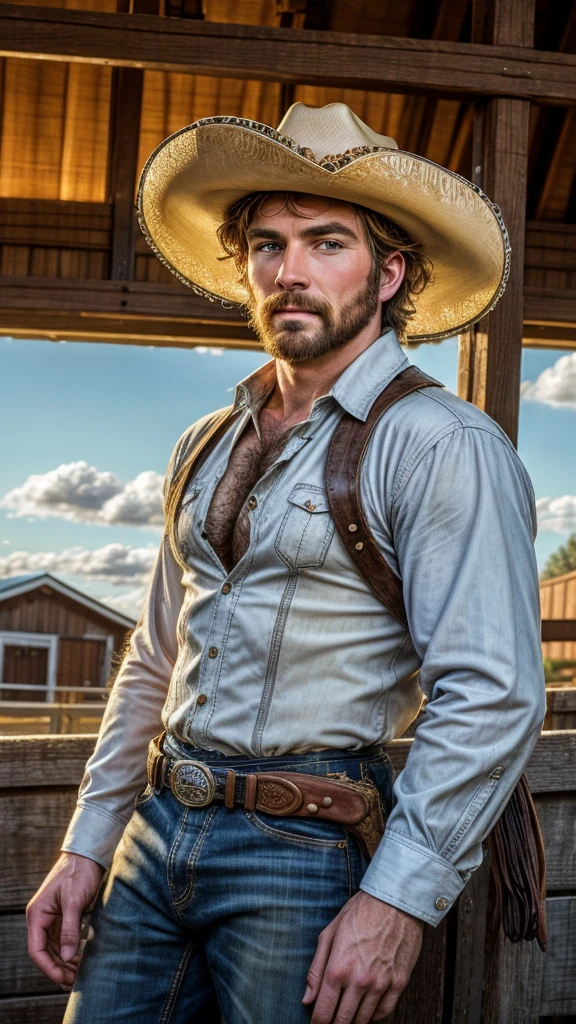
<point x="467" y="973"/>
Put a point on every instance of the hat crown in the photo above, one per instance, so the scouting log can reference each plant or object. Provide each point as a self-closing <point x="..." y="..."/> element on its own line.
<point x="329" y="130"/>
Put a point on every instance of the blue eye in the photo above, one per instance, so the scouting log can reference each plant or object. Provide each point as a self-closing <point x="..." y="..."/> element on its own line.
<point x="265" y="247"/>
<point x="331" y="244"/>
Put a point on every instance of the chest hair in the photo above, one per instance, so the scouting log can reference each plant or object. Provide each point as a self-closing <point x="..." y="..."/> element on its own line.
<point x="227" y="523"/>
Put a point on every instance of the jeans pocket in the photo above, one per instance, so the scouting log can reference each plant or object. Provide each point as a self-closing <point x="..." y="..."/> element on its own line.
<point x="144" y="796"/>
<point x="381" y="774"/>
<point x="301" y="831"/>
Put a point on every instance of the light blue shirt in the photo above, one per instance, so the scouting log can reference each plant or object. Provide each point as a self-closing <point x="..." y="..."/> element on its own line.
<point x="298" y="654"/>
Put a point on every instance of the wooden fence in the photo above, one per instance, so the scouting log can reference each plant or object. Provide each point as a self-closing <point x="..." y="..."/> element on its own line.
<point x="467" y="973"/>
<point x="20" y="717"/>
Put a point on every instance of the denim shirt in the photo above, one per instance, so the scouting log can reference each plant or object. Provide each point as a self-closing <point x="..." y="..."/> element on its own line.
<point x="292" y="651"/>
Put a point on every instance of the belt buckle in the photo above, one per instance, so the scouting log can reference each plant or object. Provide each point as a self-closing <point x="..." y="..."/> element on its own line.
<point x="192" y="783"/>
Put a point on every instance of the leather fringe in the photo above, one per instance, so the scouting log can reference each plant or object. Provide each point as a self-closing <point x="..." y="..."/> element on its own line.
<point x="519" y="869"/>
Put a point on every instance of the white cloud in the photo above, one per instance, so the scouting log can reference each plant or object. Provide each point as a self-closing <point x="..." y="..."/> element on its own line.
<point x="138" y="503"/>
<point x="203" y="350"/>
<point x="556" y="385"/>
<point x="557" y="514"/>
<point x="84" y="494"/>
<point x="118" y="564"/>
<point x="129" y="603"/>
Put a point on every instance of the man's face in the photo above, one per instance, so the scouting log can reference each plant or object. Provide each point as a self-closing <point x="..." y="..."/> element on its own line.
<point x="313" y="286"/>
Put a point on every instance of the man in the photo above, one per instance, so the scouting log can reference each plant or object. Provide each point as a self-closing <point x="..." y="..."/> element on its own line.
<point x="263" y="649"/>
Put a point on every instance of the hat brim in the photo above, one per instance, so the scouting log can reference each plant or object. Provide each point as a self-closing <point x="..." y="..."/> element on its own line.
<point x="194" y="176"/>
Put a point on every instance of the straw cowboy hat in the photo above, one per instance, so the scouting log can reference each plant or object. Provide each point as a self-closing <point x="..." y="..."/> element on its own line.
<point x="194" y="176"/>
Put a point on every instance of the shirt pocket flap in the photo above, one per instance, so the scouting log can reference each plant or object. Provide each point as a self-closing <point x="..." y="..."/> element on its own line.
<point x="309" y="499"/>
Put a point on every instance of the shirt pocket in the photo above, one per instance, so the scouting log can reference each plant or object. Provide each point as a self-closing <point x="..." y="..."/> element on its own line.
<point x="306" y="529"/>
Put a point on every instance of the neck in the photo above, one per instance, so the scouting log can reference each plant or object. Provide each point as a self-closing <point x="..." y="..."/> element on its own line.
<point x="300" y="384"/>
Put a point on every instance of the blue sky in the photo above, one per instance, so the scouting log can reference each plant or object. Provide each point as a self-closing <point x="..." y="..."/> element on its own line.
<point x="119" y="409"/>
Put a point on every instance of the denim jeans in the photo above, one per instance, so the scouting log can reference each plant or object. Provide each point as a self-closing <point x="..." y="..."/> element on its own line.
<point x="214" y="914"/>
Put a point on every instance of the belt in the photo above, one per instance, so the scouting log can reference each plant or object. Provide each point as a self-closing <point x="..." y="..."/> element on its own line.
<point x="356" y="805"/>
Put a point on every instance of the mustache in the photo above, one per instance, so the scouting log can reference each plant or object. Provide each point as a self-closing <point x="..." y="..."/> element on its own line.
<point x="294" y="300"/>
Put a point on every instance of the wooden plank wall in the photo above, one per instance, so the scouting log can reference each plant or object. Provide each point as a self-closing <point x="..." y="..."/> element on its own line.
<point x="467" y="974"/>
<point x="73" y="240"/>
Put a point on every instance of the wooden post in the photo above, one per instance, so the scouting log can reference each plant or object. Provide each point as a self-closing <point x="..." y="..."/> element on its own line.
<point x="490" y="354"/>
<point x="126" y="132"/>
<point x="125" y="136"/>
<point x="489" y="376"/>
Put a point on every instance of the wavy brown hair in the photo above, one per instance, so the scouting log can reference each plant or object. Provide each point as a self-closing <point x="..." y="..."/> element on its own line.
<point x="383" y="238"/>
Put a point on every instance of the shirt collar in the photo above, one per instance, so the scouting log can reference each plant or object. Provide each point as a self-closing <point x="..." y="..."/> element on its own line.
<point x="362" y="381"/>
<point x="355" y="389"/>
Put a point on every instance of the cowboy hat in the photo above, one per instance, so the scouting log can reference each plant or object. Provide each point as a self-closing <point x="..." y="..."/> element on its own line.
<point x="191" y="180"/>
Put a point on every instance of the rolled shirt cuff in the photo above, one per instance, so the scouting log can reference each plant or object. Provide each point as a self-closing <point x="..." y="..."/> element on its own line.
<point x="413" y="878"/>
<point x="94" y="833"/>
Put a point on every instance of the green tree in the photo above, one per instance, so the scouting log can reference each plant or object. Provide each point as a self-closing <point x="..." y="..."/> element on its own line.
<point x="561" y="561"/>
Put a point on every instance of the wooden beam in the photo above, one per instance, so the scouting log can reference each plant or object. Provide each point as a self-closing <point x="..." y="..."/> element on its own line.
<point x="127" y="87"/>
<point x="490" y="354"/>
<point x="288" y="55"/>
<point x="558" y="629"/>
<point x="551" y="307"/>
<point x="141" y="313"/>
<point x="125" y="130"/>
<point x="131" y="313"/>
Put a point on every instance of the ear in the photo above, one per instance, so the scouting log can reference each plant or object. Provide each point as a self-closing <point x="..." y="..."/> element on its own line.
<point x="392" y="276"/>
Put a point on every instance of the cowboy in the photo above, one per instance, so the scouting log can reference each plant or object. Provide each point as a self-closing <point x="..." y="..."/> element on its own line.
<point x="239" y="884"/>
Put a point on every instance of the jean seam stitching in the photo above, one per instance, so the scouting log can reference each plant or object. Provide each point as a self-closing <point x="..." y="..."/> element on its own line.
<point x="172" y="855"/>
<point x="348" y="869"/>
<point x="188" y="894"/>
<point x="175" y="986"/>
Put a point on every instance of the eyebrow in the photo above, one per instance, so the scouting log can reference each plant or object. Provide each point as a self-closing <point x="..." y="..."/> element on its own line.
<point x="332" y="228"/>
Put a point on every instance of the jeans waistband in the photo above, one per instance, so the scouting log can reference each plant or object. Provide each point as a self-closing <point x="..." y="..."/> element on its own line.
<point x="315" y="762"/>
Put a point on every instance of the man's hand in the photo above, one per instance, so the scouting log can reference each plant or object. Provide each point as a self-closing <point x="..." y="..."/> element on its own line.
<point x="363" y="962"/>
<point x="54" y="915"/>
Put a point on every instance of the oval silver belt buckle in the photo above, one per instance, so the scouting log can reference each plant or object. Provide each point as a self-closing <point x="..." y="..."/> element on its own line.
<point x="192" y="783"/>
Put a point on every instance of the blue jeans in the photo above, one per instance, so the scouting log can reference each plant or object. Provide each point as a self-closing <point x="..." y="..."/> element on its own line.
<point x="215" y="914"/>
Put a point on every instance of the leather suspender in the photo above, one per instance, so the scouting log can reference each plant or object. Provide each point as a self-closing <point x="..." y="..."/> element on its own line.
<point x="343" y="470"/>
<point x="213" y="432"/>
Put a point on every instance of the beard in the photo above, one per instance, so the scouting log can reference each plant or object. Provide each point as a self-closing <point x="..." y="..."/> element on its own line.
<point x="295" y="341"/>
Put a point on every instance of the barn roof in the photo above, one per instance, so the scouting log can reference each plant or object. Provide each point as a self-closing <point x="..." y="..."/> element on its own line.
<point x="13" y="586"/>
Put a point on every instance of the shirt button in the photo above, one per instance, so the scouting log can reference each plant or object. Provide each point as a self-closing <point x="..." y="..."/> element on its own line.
<point x="497" y="773"/>
<point x="201" y="699"/>
<point x="213" y="652"/>
<point x="442" y="902"/>
<point x="226" y="588"/>
<point x="252" y="503"/>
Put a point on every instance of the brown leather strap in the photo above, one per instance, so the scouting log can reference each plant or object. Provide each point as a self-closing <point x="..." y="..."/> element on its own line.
<point x="250" y="792"/>
<point x="343" y="468"/>
<point x="214" y="430"/>
<point x="518" y="862"/>
<point x="230" y="791"/>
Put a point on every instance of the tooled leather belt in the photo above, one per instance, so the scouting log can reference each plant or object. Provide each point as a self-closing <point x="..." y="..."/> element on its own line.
<point x="356" y="805"/>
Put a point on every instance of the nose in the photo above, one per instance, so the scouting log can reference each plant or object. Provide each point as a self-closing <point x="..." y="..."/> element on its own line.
<point x="292" y="274"/>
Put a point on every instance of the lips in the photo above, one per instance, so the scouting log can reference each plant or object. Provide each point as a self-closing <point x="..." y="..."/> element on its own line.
<point x="310" y="312"/>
